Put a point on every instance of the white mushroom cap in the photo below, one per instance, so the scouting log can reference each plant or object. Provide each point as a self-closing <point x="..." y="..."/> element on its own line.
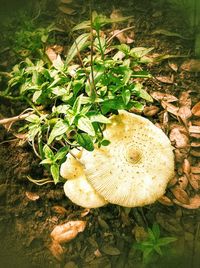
<point x="134" y="169"/>
<point x="77" y="188"/>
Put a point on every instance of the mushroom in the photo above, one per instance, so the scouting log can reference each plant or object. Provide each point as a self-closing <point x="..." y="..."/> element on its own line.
<point x="134" y="169"/>
<point x="77" y="188"/>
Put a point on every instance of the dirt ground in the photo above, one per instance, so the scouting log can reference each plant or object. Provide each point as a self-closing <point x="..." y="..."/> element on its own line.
<point x="26" y="224"/>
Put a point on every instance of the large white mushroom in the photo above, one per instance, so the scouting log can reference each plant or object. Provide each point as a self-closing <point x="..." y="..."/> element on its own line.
<point x="135" y="168"/>
<point x="77" y="188"/>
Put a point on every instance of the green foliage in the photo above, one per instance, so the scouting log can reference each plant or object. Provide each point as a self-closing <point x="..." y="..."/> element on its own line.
<point x="72" y="98"/>
<point x="153" y="243"/>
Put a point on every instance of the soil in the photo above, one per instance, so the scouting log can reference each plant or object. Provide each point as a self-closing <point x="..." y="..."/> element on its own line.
<point x="28" y="213"/>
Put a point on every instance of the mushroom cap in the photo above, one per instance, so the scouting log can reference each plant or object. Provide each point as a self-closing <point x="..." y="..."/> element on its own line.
<point x="77" y="188"/>
<point x="134" y="169"/>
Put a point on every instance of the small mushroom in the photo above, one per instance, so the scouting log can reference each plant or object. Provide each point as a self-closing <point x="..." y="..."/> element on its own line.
<point x="134" y="169"/>
<point x="77" y="188"/>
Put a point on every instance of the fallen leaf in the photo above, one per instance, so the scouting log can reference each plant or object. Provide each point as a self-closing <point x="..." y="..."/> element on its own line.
<point x="173" y="66"/>
<point x="85" y="212"/>
<point x="180" y="195"/>
<point x="110" y="250"/>
<point x="67" y="231"/>
<point x="168" y="33"/>
<point x="51" y="54"/>
<point x="172" y="182"/>
<point x="56" y="250"/>
<point x="184" y="113"/>
<point x="194" y="181"/>
<point x="164" y="200"/>
<point x="196" y="122"/>
<point x="150" y="110"/>
<point x="170" y="108"/>
<point x="183" y="182"/>
<point x="194" y="135"/>
<point x="122" y="37"/>
<point x="195" y="170"/>
<point x="59" y="210"/>
<point x="195" y="144"/>
<point x="32" y="196"/>
<point x="191" y="65"/>
<point x="97" y="253"/>
<point x="139" y="233"/>
<point x="180" y="155"/>
<point x="165" y="79"/>
<point x="186" y="166"/>
<point x="195" y="153"/>
<point x="196" y="109"/>
<point x="67" y="10"/>
<point x="194" y="129"/>
<point x="194" y="203"/>
<point x="184" y="99"/>
<point x="178" y="139"/>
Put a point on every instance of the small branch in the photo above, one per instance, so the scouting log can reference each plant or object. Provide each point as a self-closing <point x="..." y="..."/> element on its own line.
<point x="123" y="30"/>
<point x="14" y="119"/>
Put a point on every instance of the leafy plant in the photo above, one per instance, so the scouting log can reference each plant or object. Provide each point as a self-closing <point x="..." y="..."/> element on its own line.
<point x="72" y="98"/>
<point x="153" y="243"/>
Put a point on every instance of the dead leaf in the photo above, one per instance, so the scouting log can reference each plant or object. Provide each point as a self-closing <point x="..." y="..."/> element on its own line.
<point x="59" y="210"/>
<point x="178" y="139"/>
<point x="32" y="196"/>
<point x="180" y="195"/>
<point x="196" y="109"/>
<point x="195" y="153"/>
<point x="85" y="212"/>
<point x="180" y="155"/>
<point x="67" y="231"/>
<point x="121" y="36"/>
<point x="195" y="144"/>
<point x="184" y="99"/>
<point x="194" y="181"/>
<point x="51" y="54"/>
<point x="97" y="253"/>
<point x="164" y="200"/>
<point x="196" y="122"/>
<point x="170" y="108"/>
<point x="56" y="250"/>
<point x="194" y="129"/>
<point x="195" y="170"/>
<point x="184" y="113"/>
<point x="191" y="65"/>
<point x="194" y="203"/>
<point x="172" y="182"/>
<point x="194" y="135"/>
<point x="165" y="79"/>
<point x="183" y="182"/>
<point x="139" y="233"/>
<point x="67" y="10"/>
<point x="173" y="66"/>
<point x="110" y="250"/>
<point x="186" y="167"/>
<point x="150" y="110"/>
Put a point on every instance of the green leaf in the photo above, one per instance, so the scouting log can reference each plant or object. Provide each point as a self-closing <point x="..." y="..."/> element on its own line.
<point x="33" y="118"/>
<point x="61" y="153"/>
<point x="59" y="128"/>
<point x="83" y="25"/>
<point x="36" y="95"/>
<point x="105" y="142"/>
<point x="58" y="63"/>
<point x="99" y="118"/>
<point x="84" y="124"/>
<point x="85" y="141"/>
<point x="80" y="43"/>
<point x="156" y="230"/>
<point x="126" y="95"/>
<point x="166" y="240"/>
<point x="55" y="172"/>
<point x="158" y="250"/>
<point x="46" y="161"/>
<point x="139" y="52"/>
<point x="48" y="152"/>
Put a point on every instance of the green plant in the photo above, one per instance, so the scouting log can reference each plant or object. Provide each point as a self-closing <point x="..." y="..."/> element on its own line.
<point x="152" y="245"/>
<point x="71" y="99"/>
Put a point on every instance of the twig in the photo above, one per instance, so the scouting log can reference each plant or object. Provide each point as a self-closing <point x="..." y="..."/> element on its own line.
<point x="14" y="119"/>
<point x="121" y="31"/>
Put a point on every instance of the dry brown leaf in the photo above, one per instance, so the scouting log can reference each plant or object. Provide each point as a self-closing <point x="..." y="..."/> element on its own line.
<point x="195" y="136"/>
<point x="196" y="122"/>
<point x="183" y="182"/>
<point x="159" y="96"/>
<point x="97" y="253"/>
<point x="195" y="153"/>
<point x="165" y="79"/>
<point x="195" y="170"/>
<point x="56" y="250"/>
<point x="59" y="210"/>
<point x="172" y="182"/>
<point x="67" y="231"/>
<point x="110" y="250"/>
<point x="164" y="200"/>
<point x="196" y="109"/>
<point x="186" y="167"/>
<point x="150" y="110"/>
<point x="116" y="14"/>
<point x="139" y="233"/>
<point x="178" y="139"/>
<point x="191" y="66"/>
<point x="173" y="66"/>
<point x="184" y="113"/>
<point x="194" y="181"/>
<point x="67" y="10"/>
<point x="121" y="36"/>
<point x="195" y="144"/>
<point x="180" y="195"/>
<point x="51" y="54"/>
<point x="184" y="99"/>
<point x="194" y="203"/>
<point x="180" y="155"/>
<point x="32" y="196"/>
<point x="194" y="129"/>
<point x="170" y="107"/>
<point x="85" y="212"/>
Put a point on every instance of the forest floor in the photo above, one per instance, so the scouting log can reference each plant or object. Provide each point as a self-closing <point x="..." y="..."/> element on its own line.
<point x="29" y="213"/>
